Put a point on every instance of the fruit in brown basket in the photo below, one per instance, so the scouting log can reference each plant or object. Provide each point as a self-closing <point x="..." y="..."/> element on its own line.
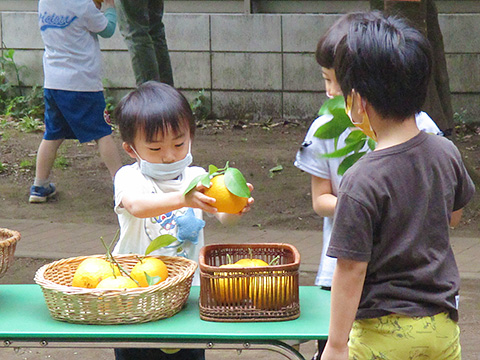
<point x="117" y="282"/>
<point x="155" y="268"/>
<point x="229" y="290"/>
<point x="270" y="291"/>
<point x="91" y="271"/>
<point x="225" y="201"/>
<point x="251" y="262"/>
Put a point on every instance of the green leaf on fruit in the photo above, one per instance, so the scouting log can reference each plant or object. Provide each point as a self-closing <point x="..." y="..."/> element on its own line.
<point x="152" y="280"/>
<point x="236" y="183"/>
<point x="204" y="178"/>
<point x="160" y="242"/>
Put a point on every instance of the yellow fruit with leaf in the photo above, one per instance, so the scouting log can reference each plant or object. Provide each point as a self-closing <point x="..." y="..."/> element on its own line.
<point x="117" y="282"/>
<point x="226" y="201"/>
<point x="149" y="271"/>
<point x="227" y="186"/>
<point x="92" y="270"/>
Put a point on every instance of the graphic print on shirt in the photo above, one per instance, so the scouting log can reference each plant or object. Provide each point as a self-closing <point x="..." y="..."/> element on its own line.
<point x="55" y="21"/>
<point x="180" y="223"/>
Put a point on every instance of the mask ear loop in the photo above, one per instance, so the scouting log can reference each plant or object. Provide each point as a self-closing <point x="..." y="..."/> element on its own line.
<point x="133" y="149"/>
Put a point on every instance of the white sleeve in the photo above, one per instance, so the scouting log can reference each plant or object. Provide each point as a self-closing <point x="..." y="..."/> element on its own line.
<point x="127" y="179"/>
<point x="309" y="156"/>
<point x="425" y="123"/>
<point x="94" y="19"/>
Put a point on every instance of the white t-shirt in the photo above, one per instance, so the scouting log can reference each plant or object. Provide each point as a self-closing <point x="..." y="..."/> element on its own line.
<point x="309" y="159"/>
<point x="72" y="58"/>
<point x="137" y="233"/>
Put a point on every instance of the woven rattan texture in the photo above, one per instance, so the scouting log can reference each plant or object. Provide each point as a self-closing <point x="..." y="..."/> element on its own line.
<point x="249" y="293"/>
<point x="8" y="244"/>
<point x="95" y="306"/>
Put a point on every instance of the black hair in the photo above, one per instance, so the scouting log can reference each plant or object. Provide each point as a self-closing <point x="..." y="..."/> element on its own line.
<point x="153" y="107"/>
<point x="325" y="52"/>
<point x="386" y="61"/>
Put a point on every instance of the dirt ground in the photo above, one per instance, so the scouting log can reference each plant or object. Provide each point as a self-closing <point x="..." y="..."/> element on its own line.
<point x="282" y="200"/>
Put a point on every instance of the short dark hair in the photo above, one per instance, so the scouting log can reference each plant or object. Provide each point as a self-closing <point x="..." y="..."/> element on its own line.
<point x="325" y="52"/>
<point x="388" y="62"/>
<point x="153" y="107"/>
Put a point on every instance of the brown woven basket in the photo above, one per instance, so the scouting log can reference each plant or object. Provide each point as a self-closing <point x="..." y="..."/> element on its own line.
<point x="98" y="306"/>
<point x="8" y="244"/>
<point x="268" y="293"/>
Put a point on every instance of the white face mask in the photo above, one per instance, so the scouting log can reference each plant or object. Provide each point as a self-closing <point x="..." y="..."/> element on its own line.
<point x="164" y="172"/>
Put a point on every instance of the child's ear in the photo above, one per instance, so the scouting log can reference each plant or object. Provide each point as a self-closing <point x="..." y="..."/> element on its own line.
<point x="129" y="150"/>
<point x="362" y="103"/>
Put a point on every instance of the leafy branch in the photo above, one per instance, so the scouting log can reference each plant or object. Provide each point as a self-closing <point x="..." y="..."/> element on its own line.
<point x="332" y="129"/>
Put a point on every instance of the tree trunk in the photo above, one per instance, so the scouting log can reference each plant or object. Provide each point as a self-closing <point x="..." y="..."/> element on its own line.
<point x="424" y="16"/>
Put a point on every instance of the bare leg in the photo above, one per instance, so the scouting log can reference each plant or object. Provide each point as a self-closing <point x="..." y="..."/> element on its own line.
<point x="109" y="154"/>
<point x="46" y="154"/>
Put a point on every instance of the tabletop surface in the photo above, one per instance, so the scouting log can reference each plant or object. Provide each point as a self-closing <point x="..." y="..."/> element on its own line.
<point x="24" y="316"/>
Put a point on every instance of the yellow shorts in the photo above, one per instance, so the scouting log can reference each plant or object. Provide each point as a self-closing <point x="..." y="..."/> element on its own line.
<point x="398" y="337"/>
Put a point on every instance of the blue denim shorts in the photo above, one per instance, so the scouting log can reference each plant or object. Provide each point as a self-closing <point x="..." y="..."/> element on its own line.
<point x="75" y="115"/>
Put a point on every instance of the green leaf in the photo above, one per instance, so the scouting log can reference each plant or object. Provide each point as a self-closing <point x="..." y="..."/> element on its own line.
<point x="349" y="161"/>
<point x="275" y="169"/>
<point x="236" y="183"/>
<point x="334" y="127"/>
<point x="212" y="169"/>
<point x="200" y="178"/>
<point x="372" y="144"/>
<point x="152" y="280"/>
<point x="328" y="106"/>
<point x="355" y="136"/>
<point x="347" y="149"/>
<point x="160" y="242"/>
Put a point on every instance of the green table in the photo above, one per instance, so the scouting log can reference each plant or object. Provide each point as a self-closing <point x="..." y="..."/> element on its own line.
<point x="25" y="322"/>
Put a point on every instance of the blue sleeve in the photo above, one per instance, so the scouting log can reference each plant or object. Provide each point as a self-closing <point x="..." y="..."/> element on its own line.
<point x="111" y="16"/>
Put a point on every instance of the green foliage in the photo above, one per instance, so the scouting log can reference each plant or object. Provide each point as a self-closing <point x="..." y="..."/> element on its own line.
<point x="3" y="167"/>
<point x="464" y="126"/>
<point x="201" y="106"/>
<point x="332" y="129"/>
<point x="26" y="109"/>
<point x="29" y="124"/>
<point x="27" y="164"/>
<point x="234" y="180"/>
<point x="61" y="162"/>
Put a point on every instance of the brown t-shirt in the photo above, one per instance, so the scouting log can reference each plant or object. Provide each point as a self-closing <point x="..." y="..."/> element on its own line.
<point x="393" y="211"/>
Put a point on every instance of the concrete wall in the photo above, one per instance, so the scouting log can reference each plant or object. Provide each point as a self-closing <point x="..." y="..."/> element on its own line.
<point x="250" y="64"/>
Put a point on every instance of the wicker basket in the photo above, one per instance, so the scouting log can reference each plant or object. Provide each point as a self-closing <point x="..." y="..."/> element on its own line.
<point x="96" y="306"/>
<point x="233" y="294"/>
<point x="8" y="244"/>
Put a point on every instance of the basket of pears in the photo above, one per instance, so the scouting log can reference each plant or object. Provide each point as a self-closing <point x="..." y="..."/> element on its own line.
<point x="120" y="289"/>
<point x="249" y="282"/>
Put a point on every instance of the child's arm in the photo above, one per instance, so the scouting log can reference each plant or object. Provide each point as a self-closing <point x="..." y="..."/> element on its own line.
<point x="323" y="201"/>
<point x="111" y="15"/>
<point x="347" y="286"/>
<point x="151" y="205"/>
<point x="456" y="217"/>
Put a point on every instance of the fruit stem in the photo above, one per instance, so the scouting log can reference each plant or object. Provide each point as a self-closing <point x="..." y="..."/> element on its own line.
<point x="111" y="259"/>
<point x="275" y="260"/>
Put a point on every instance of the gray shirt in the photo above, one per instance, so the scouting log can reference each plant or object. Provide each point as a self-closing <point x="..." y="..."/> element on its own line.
<point x="393" y="211"/>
